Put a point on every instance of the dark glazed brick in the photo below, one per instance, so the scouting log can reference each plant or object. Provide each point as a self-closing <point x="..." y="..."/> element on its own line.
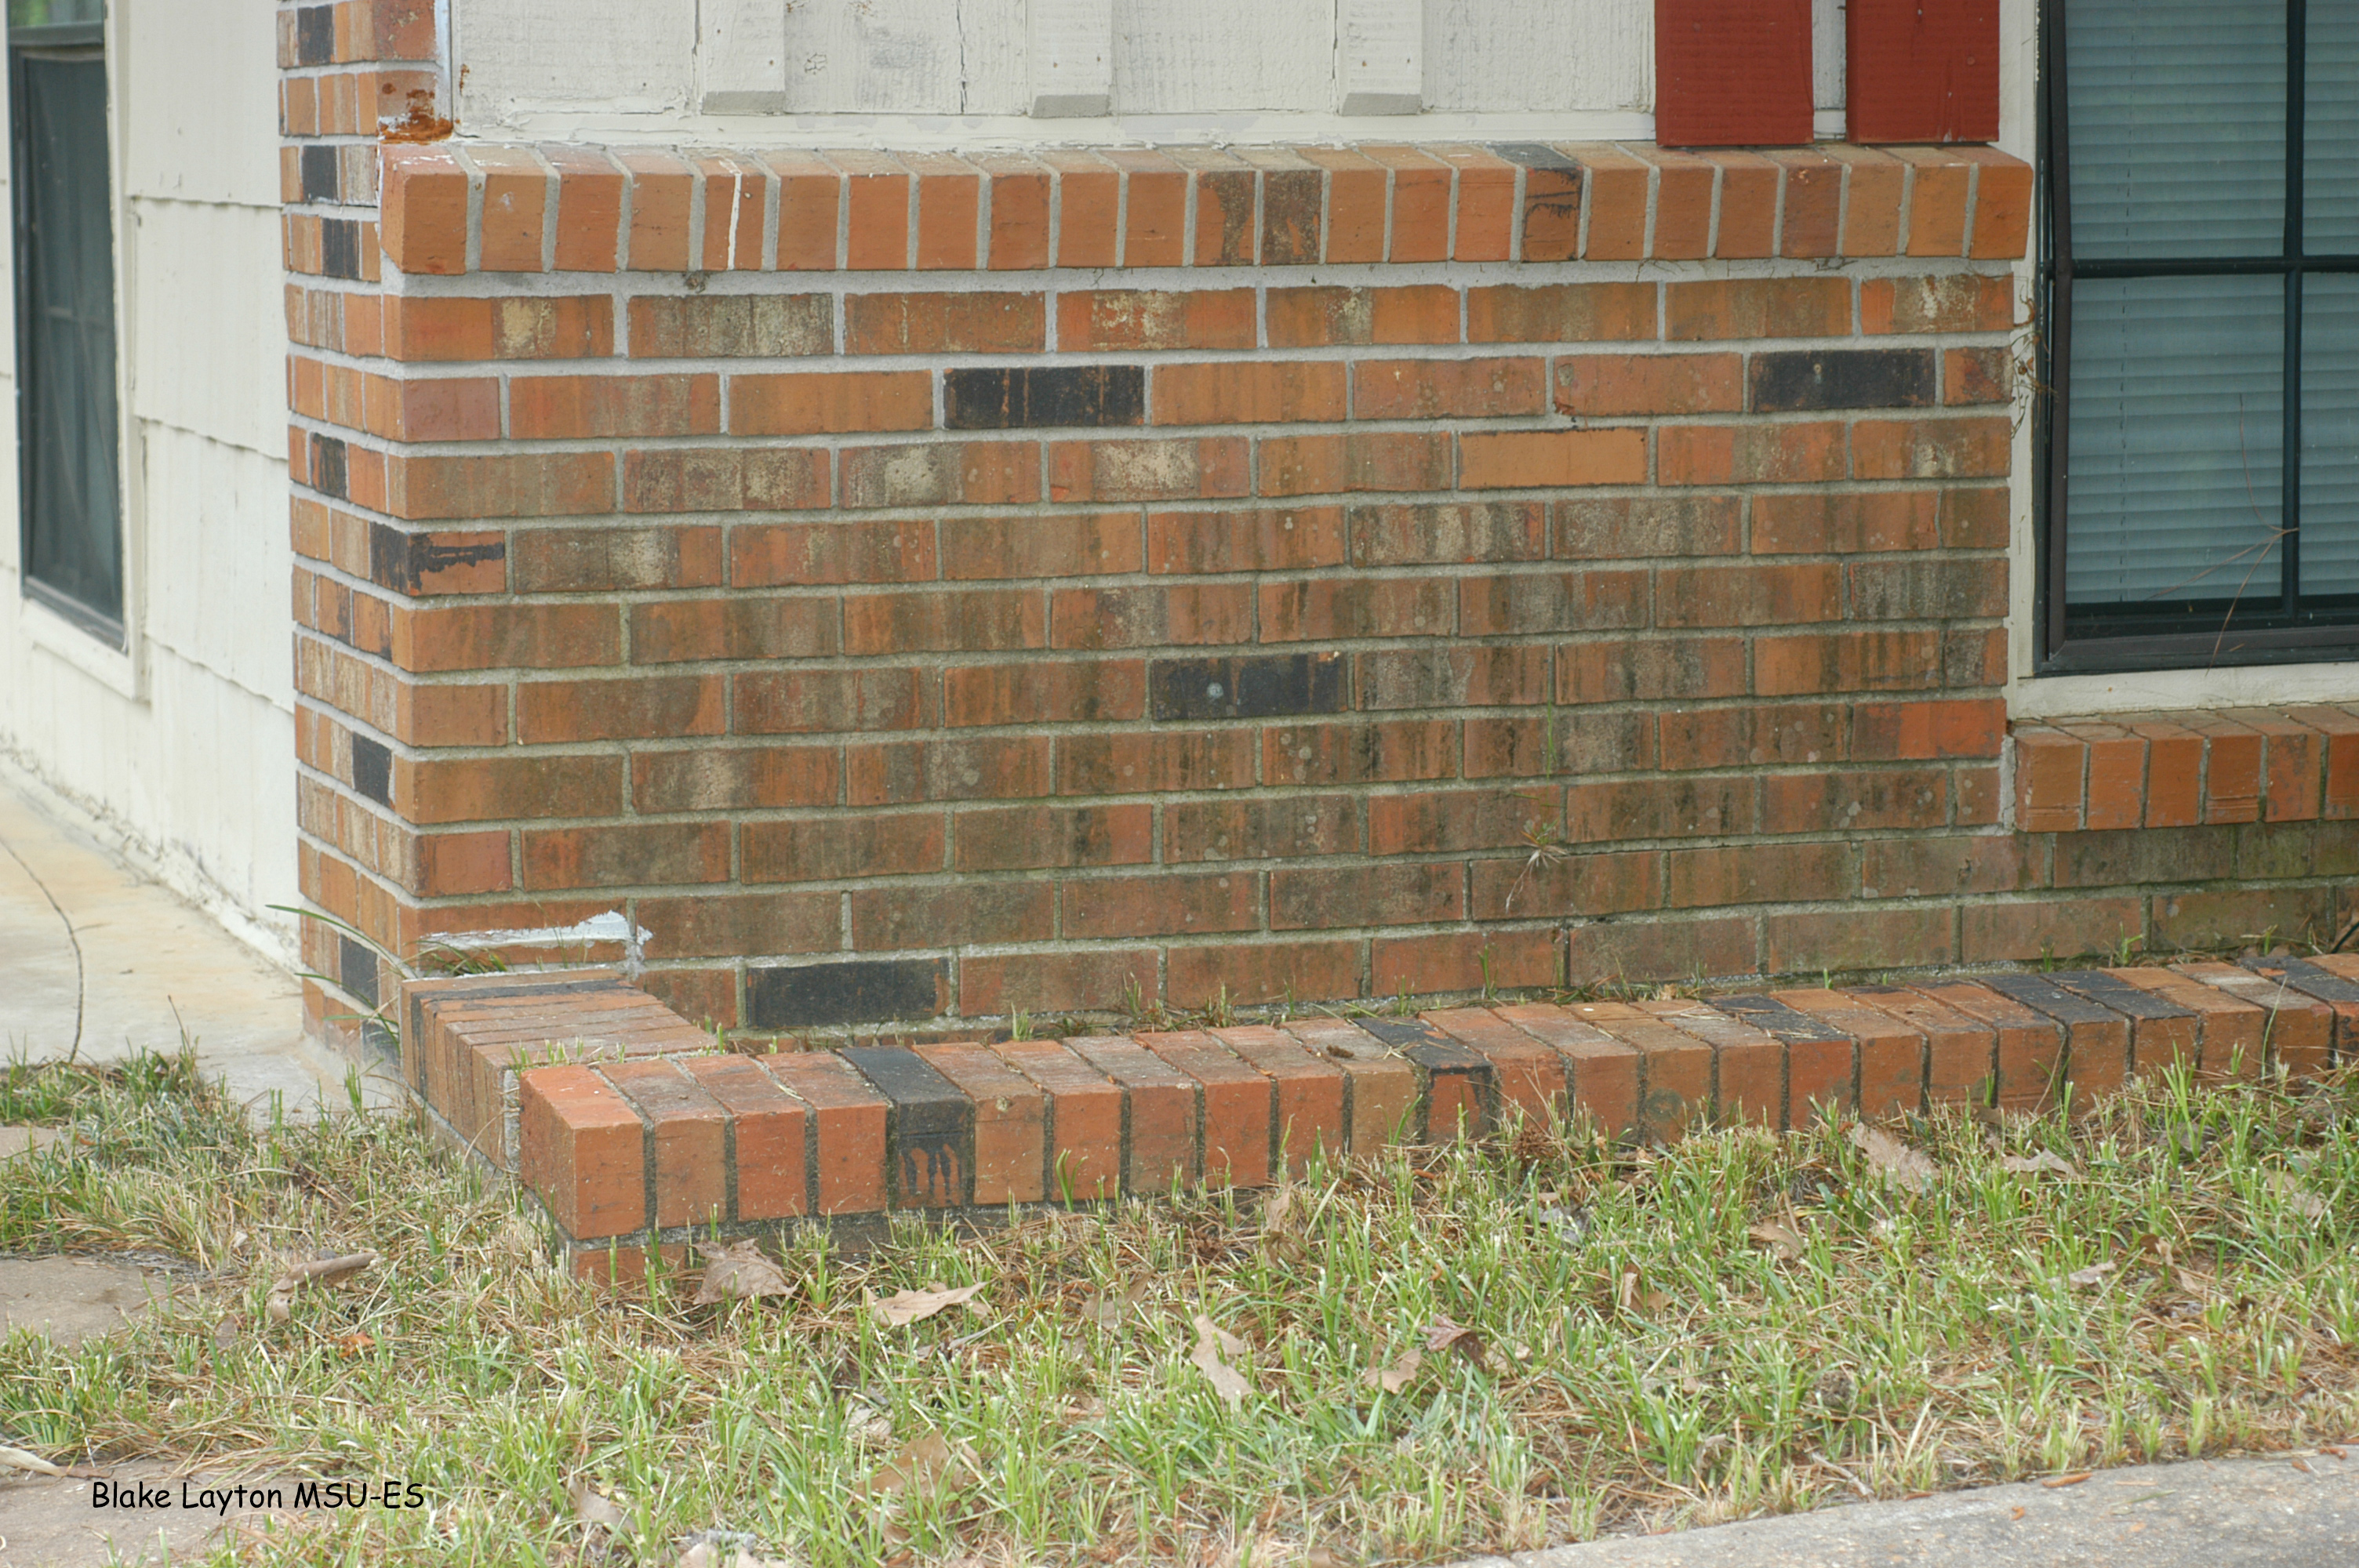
<point x="372" y="770"/>
<point x="1458" y="1093"/>
<point x="315" y="34"/>
<point x="2307" y="977"/>
<point x="330" y="467"/>
<point x="1265" y="687"/>
<point x="1774" y="1017"/>
<point x="340" y="248"/>
<point x="1844" y="378"/>
<point x="356" y="971"/>
<point x="2096" y="1039"/>
<point x="1291" y="199"/>
<point x="1062" y="395"/>
<point x="402" y="561"/>
<point x="1822" y="1065"/>
<point x="320" y="174"/>
<point x="932" y="1129"/>
<point x="856" y="990"/>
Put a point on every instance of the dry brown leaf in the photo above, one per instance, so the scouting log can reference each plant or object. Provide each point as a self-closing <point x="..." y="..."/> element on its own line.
<point x="905" y="1307"/>
<point x="226" y="1332"/>
<point x="924" y="1464"/>
<point x="2074" y="1479"/>
<point x="1107" y="1310"/>
<point x="1392" y="1379"/>
<point x="1445" y="1334"/>
<point x="2308" y="1205"/>
<point x="2090" y="1278"/>
<point x="738" y="1273"/>
<point x="593" y="1509"/>
<point x="1325" y="1557"/>
<point x="17" y="1459"/>
<point x="325" y="1271"/>
<point x="1892" y="1159"/>
<point x="2031" y="1165"/>
<point x="1211" y="1345"/>
<point x="1633" y="1296"/>
<point x="1276" y="1209"/>
<point x="1783" y="1240"/>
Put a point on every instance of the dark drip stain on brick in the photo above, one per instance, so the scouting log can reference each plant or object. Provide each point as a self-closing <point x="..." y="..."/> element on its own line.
<point x="372" y="770"/>
<point x="319" y="163"/>
<point x="933" y="1132"/>
<point x="1785" y="383"/>
<point x="1229" y="194"/>
<point x="1269" y="686"/>
<point x="403" y="561"/>
<point x="329" y="473"/>
<point x="1291" y="199"/>
<point x="340" y="246"/>
<point x="855" y="991"/>
<point x="1089" y="396"/>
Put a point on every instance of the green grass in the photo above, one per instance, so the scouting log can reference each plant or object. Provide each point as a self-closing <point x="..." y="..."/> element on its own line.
<point x="1643" y="1362"/>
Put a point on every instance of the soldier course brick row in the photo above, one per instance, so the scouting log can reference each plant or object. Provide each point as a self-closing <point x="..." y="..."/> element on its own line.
<point x="631" y="1135"/>
<point x="449" y="208"/>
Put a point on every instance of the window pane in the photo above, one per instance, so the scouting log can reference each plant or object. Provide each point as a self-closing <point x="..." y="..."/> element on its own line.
<point x="66" y="272"/>
<point x="55" y="13"/>
<point x="2330" y="435"/>
<point x="2330" y="184"/>
<point x="2176" y="427"/>
<point x="2177" y="125"/>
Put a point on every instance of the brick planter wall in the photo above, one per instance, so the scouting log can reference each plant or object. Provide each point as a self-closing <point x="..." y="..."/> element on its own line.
<point x="633" y="1144"/>
<point x="920" y="587"/>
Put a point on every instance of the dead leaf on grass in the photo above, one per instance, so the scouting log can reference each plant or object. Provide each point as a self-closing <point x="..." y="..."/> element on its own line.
<point x="1211" y="1345"/>
<point x="1892" y="1159"/>
<point x="595" y="1509"/>
<point x="2031" y="1165"/>
<point x="905" y="1307"/>
<point x="1108" y="1310"/>
<point x="1445" y="1334"/>
<point x="1392" y="1379"/>
<point x="2090" y="1278"/>
<point x="325" y="1271"/>
<point x="926" y="1464"/>
<point x="2307" y="1204"/>
<point x="1782" y="1239"/>
<point x="738" y="1273"/>
<point x="1633" y="1296"/>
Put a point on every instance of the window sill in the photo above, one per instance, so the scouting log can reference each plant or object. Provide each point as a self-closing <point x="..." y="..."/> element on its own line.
<point x="2199" y="690"/>
<point x="116" y="668"/>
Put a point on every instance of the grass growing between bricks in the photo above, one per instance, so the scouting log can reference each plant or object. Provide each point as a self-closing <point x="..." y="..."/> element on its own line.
<point x="1578" y="1337"/>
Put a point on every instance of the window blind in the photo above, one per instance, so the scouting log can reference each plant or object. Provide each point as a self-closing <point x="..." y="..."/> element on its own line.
<point x="2330" y="435"/>
<point x="2330" y="184"/>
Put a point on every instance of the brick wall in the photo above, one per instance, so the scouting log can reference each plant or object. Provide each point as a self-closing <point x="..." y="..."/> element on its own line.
<point x="929" y="586"/>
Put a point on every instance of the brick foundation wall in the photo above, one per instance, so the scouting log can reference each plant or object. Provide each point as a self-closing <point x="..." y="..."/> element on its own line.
<point x="922" y="587"/>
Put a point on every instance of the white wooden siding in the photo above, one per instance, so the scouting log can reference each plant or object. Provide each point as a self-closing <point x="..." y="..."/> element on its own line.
<point x="920" y="71"/>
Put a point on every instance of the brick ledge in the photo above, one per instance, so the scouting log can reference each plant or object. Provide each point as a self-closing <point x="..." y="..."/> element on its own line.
<point x="2183" y="770"/>
<point x="635" y="1134"/>
<point x="459" y="207"/>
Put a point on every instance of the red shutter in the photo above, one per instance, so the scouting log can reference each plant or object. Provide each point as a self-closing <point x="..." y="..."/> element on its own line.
<point x="1732" y="72"/>
<point x="1922" y="70"/>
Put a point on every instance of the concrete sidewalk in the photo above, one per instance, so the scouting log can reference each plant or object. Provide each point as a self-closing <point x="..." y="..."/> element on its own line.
<point x="2293" y="1511"/>
<point x="95" y="961"/>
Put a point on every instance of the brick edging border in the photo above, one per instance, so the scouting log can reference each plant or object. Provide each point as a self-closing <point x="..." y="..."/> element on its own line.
<point x="452" y="208"/>
<point x="636" y="1133"/>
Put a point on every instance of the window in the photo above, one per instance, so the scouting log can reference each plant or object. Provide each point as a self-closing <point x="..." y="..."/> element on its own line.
<point x="2199" y="281"/>
<point x="69" y="481"/>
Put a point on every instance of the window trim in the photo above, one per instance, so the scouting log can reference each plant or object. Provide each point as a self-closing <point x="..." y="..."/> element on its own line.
<point x="2057" y="652"/>
<point x="54" y="623"/>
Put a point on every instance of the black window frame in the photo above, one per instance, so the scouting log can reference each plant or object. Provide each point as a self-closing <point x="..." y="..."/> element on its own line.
<point x="2280" y="636"/>
<point x="110" y="626"/>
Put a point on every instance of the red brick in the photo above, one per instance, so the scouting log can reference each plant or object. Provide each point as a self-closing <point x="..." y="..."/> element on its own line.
<point x="1161" y="1112"/>
<point x="1683" y="202"/>
<point x="2175" y="758"/>
<point x="550" y="712"/>
<point x="1748" y="1066"/>
<point x="1383" y="1103"/>
<point x="877" y="223"/>
<point x="1160" y="615"/>
<point x="1888" y="1058"/>
<point x="2233" y="1031"/>
<point x="1748" y="204"/>
<point x="1815" y="523"/>
<point x="589" y="208"/>
<point x="2299" y="1032"/>
<point x="1130" y="319"/>
<point x="766" y="1138"/>
<point x="1759" y="308"/>
<point x="2049" y="766"/>
<point x="424" y="196"/>
<point x="2292" y="767"/>
<point x="1428" y="389"/>
<point x="1822" y="663"/>
<point x="708" y="479"/>
<point x="1171" y="470"/>
<point x="617" y="855"/>
<point x="1306" y="1090"/>
<point x="1084" y="1150"/>
<point x="688" y="1131"/>
<point x="1605" y="385"/>
<point x="1961" y="1051"/>
<point x="949" y="202"/>
<point x="944" y="620"/>
<point x="1955" y="302"/>
<point x="847" y="1119"/>
<point x="795" y="701"/>
<point x="808" y="553"/>
<point x="1038" y="692"/>
<point x="1601" y="1072"/>
<point x="1323" y="316"/>
<point x="2001" y="204"/>
<point x="1529" y="1074"/>
<point x="1803" y="453"/>
<point x="1535" y="459"/>
<point x="2031" y="1055"/>
<point x="804" y="404"/>
<point x="1356" y="204"/>
<point x="1248" y="392"/>
<point x="1359" y="753"/>
<point x="1161" y="760"/>
<point x="515" y="200"/>
<point x="1025" y="836"/>
<point x="1036" y="546"/>
<point x="1931" y="449"/>
<point x="1464" y="961"/>
<point x="900" y="772"/>
<point x="1675" y="1066"/>
<point x="1277" y="828"/>
<point x="1162" y="906"/>
<point x="1561" y="313"/>
<point x="1248" y="973"/>
<point x="1101" y="977"/>
<point x="976" y="323"/>
<point x="1872" y="196"/>
<point x="661" y="189"/>
<point x="1010" y="1122"/>
<point x="1089" y="208"/>
<point x="934" y="914"/>
<point x="1238" y="1105"/>
<point x="1617" y="191"/>
<point x="580" y="1150"/>
<point x="1203" y="542"/>
<point x="1421" y="203"/>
